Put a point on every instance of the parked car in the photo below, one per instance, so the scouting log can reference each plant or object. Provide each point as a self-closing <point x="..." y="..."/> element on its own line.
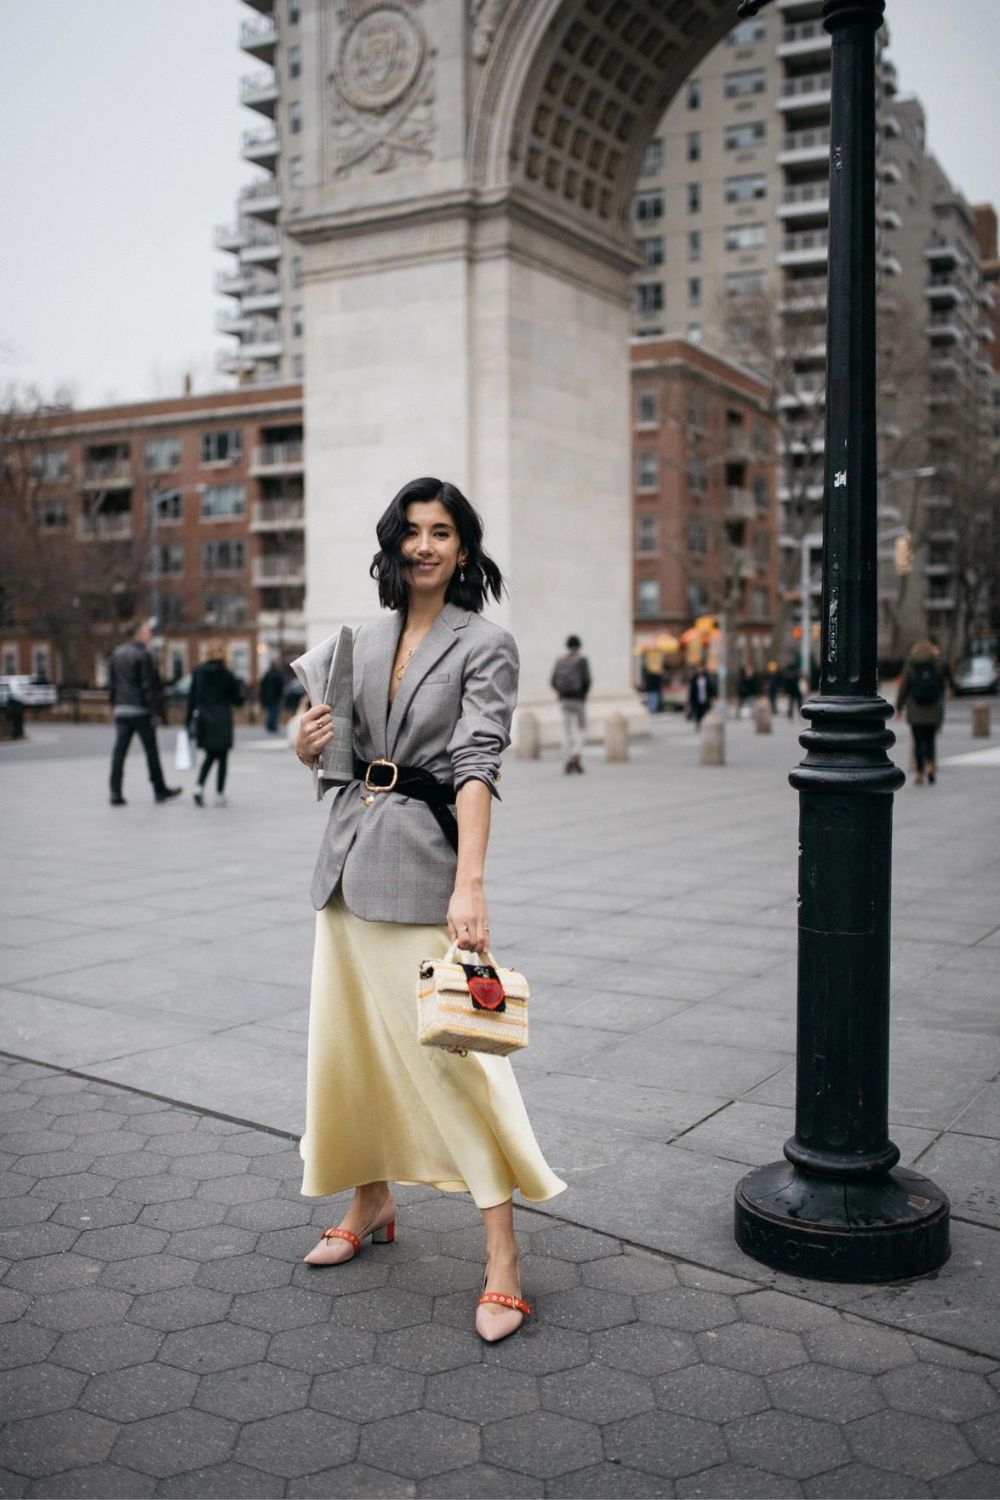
<point x="179" y="688"/>
<point x="28" y="691"/>
<point x="975" y="675"/>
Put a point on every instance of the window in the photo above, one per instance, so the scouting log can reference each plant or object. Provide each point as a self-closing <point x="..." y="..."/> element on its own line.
<point x="225" y="556"/>
<point x="171" y="614"/>
<point x="744" y="283"/>
<point x="761" y="440"/>
<point x="761" y="495"/>
<point x="651" y="249"/>
<point x="697" y="538"/>
<point x="163" y="453"/>
<point x="743" y="137"/>
<point x="745" y="33"/>
<point x="294" y="117"/>
<point x="697" y="477"/>
<point x="10" y="659"/>
<point x="239" y="659"/>
<point x="647" y="470"/>
<point x="746" y="189"/>
<point x="694" y="94"/>
<point x="760" y="610"/>
<point x="222" y="447"/>
<point x="646" y="414"/>
<point x="748" y="81"/>
<point x="220" y="502"/>
<point x="762" y="549"/>
<point x="694" y="332"/>
<point x="298" y="322"/>
<point x="293" y="12"/>
<point x="169" y="507"/>
<point x="652" y="160"/>
<point x="294" y="61"/>
<point x="298" y="366"/>
<point x="694" y="197"/>
<point x="694" y="145"/>
<point x="52" y="465"/>
<point x="648" y="207"/>
<point x="166" y="558"/>
<point x="53" y="514"/>
<point x="697" y="596"/>
<point x="694" y="244"/>
<point x="696" y="411"/>
<point x="296" y="172"/>
<point x="649" y="296"/>
<point x="177" y="657"/>
<point x="648" y="596"/>
<point x="745" y="236"/>
<point x="296" y="271"/>
<point x="647" y="534"/>
<point x="41" y="660"/>
<point x="694" y="291"/>
<point x="225" y="609"/>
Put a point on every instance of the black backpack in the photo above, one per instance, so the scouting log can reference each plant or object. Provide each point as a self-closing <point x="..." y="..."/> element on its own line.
<point x="925" y="688"/>
<point x="569" y="676"/>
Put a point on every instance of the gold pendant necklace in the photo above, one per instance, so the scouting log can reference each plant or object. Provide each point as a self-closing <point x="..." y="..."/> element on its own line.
<point x="402" y="666"/>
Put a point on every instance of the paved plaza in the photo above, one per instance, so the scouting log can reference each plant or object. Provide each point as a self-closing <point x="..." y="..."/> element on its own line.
<point x="163" y="1337"/>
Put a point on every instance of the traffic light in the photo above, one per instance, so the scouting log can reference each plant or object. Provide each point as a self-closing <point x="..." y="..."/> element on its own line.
<point x="902" y="554"/>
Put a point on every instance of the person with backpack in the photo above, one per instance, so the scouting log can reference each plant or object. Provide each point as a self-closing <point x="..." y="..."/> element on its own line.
<point x="922" y="689"/>
<point x="571" y="680"/>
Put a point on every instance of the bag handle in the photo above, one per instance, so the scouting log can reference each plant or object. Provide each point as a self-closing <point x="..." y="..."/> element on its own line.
<point x="476" y="957"/>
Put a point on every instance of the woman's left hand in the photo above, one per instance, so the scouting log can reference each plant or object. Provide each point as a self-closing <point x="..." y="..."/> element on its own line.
<point x="468" y="918"/>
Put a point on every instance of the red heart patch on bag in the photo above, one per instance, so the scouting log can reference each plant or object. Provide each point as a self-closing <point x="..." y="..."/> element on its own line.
<point x="486" y="990"/>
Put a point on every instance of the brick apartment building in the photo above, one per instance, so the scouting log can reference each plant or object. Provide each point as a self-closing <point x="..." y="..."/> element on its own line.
<point x="190" y="510"/>
<point x="704" y="495"/>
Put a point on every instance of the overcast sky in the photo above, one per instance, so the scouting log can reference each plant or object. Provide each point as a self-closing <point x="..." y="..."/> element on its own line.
<point x="120" y="154"/>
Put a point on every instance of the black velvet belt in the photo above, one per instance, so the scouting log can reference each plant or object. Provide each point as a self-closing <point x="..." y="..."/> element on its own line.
<point x="381" y="776"/>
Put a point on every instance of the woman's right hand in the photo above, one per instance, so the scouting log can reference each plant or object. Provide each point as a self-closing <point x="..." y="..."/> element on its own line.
<point x="314" y="734"/>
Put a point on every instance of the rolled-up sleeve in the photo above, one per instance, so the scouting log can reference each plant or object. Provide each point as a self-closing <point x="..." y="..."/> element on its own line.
<point x="489" y="693"/>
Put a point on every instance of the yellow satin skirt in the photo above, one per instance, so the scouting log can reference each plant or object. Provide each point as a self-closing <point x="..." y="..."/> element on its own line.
<point x="379" y="1106"/>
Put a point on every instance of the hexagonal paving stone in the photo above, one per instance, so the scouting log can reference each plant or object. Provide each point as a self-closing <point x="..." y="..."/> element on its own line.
<point x="147" y="1391"/>
<point x="74" y="1188"/>
<point x="122" y="1242"/>
<point x="430" y="1349"/>
<point x="128" y="1164"/>
<point x="36" y="1239"/>
<point x="273" y="1213"/>
<point x="116" y="1347"/>
<point x="352" y="1482"/>
<point x="180" y="1307"/>
<point x="24" y="1210"/>
<point x="859" y="1346"/>
<point x="161" y="1189"/>
<point x="243" y="1273"/>
<point x="933" y="1391"/>
<point x="712" y="1393"/>
<point x="52" y="1273"/>
<point x="54" y="1164"/>
<point x="776" y="1310"/>
<point x="214" y="1346"/>
<point x="158" y="1273"/>
<point x="297" y="1443"/>
<point x="538" y="1350"/>
<point x="85" y="1307"/>
<point x="443" y="1211"/>
<point x="364" y="1273"/>
<point x="746" y="1346"/>
<point x="979" y="1482"/>
<point x="175" y="1443"/>
<point x="859" y="1482"/>
<point x="364" y="1394"/>
<point x="480" y="1482"/>
<point x="37" y="1389"/>
<point x="437" y="1276"/>
<point x="280" y="1308"/>
<point x="381" y="1311"/>
<point x="419" y="1444"/>
<point x="735" y="1482"/>
<point x="822" y="1391"/>
<point x="686" y="1309"/>
<point x="169" y="1122"/>
<point x="230" y="1481"/>
<point x="96" y="1482"/>
<point x="608" y="1482"/>
<point x="241" y="1189"/>
<point x="322" y="1347"/>
<point x="184" y="1214"/>
<point x="784" y="1443"/>
<point x="46" y="1445"/>
<point x="631" y="1272"/>
<point x="585" y="1309"/>
<point x="208" y="1164"/>
<point x="665" y="1444"/>
<point x="597" y="1393"/>
<point x="644" y="1349"/>
<point x="570" y="1242"/>
<point x="908" y="1444"/>
<point x="481" y="1393"/>
<point x="23" y="1344"/>
<point x="25" y="1142"/>
<point x="253" y="1391"/>
<point x="215" y="1241"/>
<point x="984" y="1435"/>
<point x="95" y="1213"/>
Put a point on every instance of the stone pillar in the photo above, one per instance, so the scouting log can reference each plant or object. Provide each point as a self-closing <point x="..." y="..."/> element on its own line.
<point x="980" y="719"/>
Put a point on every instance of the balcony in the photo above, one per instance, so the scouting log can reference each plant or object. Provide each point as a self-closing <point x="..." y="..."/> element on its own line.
<point x="890" y="79"/>
<point x="288" y="624"/>
<point x="811" y="91"/>
<point x="260" y="147"/>
<point x="739" y="504"/>
<point x="808" y="247"/>
<point x="809" y="391"/>
<point x="266" y="7"/>
<point x="890" y="264"/>
<point x="944" y="327"/>
<point x="802" y="147"/>
<point x="260" y="38"/>
<point x="743" y="563"/>
<point x="938" y="569"/>
<point x="107" y="474"/>
<point x="807" y="200"/>
<point x="942" y="288"/>
<point x="262" y="341"/>
<point x="941" y="602"/>
<point x="806" y="294"/>
<point x="264" y="297"/>
<point x="891" y="126"/>
<point x="889" y="171"/>
<point x="804" y="39"/>
<point x="114" y="527"/>
<point x="278" y="458"/>
<point x="798" y="492"/>
<point x="232" y="362"/>
<point x="261" y="199"/>
<point x="259" y="91"/>
<point x="279" y="572"/>
<point x="890" y="218"/>
<point x="229" y="237"/>
<point x="233" y="283"/>
<point x="232" y="321"/>
<point x="944" y="252"/>
<point x="278" y="515"/>
<point x="261" y="245"/>
<point x="945" y="364"/>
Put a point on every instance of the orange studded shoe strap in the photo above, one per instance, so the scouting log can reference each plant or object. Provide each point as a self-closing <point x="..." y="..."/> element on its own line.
<point x="501" y="1299"/>
<point x="343" y="1234"/>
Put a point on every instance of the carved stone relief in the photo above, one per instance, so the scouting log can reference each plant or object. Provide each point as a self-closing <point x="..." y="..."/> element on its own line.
<point x="486" y="16"/>
<point x="383" y="88"/>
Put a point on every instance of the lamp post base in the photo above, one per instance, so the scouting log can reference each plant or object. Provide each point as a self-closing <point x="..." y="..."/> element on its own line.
<point x="886" y="1228"/>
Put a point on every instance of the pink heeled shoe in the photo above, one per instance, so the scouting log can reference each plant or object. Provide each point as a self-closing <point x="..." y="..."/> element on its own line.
<point x="340" y="1245"/>
<point x="494" y="1326"/>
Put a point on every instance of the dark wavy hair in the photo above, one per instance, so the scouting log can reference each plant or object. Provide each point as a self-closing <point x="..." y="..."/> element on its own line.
<point x="482" y="576"/>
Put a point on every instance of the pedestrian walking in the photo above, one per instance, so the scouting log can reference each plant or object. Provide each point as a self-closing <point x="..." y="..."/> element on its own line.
<point x="701" y="695"/>
<point x="652" y="679"/>
<point x="133" y="686"/>
<point x="922" y="689"/>
<point x="398" y="878"/>
<point x="793" y="688"/>
<point x="270" y="691"/>
<point x="773" y="682"/>
<point x="212" y="696"/>
<point x="571" y="681"/>
<point x="746" y="691"/>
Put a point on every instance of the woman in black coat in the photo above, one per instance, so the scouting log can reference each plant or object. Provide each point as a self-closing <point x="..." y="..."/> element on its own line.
<point x="214" y="693"/>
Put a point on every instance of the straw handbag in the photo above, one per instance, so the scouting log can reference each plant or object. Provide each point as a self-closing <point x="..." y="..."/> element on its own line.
<point x="471" y="1007"/>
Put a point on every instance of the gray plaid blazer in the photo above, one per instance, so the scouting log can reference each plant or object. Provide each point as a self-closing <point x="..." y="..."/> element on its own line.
<point x="451" y="715"/>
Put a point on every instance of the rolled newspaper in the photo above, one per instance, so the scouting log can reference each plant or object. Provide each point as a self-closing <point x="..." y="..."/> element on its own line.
<point x="327" y="674"/>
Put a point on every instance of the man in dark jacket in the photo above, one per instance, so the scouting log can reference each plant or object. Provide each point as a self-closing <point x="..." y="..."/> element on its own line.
<point x="922" y="690"/>
<point x="571" y="681"/>
<point x="132" y="687"/>
<point x="271" y="691"/>
<point x="701" y="695"/>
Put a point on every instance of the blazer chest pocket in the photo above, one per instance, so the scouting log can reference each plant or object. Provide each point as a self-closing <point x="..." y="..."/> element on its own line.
<point x="437" y="682"/>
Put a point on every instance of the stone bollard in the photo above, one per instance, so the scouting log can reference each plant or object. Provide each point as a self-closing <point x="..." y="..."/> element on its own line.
<point x="713" y="740"/>
<point x="616" y="738"/>
<point x="528" y="742"/>
<point x="762" y="717"/>
<point x="980" y="719"/>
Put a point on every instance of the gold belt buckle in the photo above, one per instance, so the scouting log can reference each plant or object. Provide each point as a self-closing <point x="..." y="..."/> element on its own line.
<point x="371" y="786"/>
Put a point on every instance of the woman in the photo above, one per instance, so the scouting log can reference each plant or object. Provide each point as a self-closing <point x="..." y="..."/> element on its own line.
<point x="434" y="691"/>
<point x="213" y="694"/>
<point x="922" y="693"/>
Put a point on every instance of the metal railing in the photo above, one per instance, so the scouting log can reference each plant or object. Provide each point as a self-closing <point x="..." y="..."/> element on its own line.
<point x="257" y="33"/>
<point x="251" y="191"/>
<point x="808" y="192"/>
<point x="805" y="140"/>
<point x="258" y="86"/>
<point x="278" y="456"/>
<point x="107" y="470"/>
<point x="279" y="513"/>
<point x="278" y="569"/>
<point x="259" y="140"/>
<point x="806" y="239"/>
<point x="114" y="527"/>
<point x="806" y="31"/>
<point x="809" y="83"/>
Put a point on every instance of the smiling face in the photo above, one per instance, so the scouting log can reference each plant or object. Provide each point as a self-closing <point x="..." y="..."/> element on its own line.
<point x="431" y="549"/>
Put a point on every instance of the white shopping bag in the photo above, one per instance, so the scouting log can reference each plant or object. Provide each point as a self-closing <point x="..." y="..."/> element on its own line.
<point x="182" y="751"/>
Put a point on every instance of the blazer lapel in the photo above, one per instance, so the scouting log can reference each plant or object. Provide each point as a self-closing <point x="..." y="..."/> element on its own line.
<point x="439" y="639"/>
<point x="376" y="670"/>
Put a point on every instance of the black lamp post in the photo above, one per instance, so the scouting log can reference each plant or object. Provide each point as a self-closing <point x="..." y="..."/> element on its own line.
<point x="838" y="1206"/>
